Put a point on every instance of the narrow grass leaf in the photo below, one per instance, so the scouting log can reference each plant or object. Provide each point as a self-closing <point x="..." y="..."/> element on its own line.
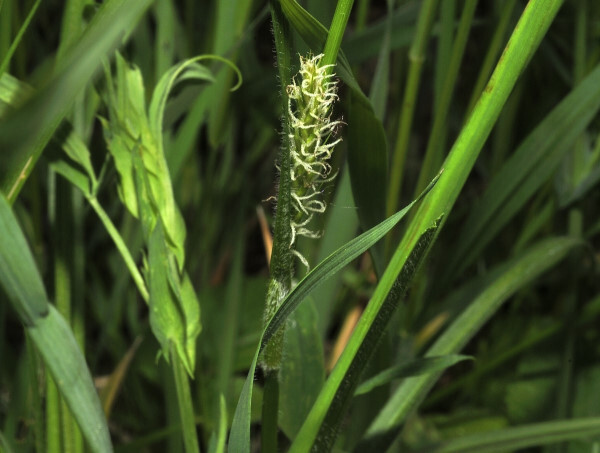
<point x="18" y="38"/>
<point x="518" y="273"/>
<point x="515" y="438"/>
<point x="366" y="43"/>
<point x="412" y="368"/>
<point x="239" y="439"/>
<point x="378" y="93"/>
<point x="532" y="164"/>
<point x="526" y="37"/>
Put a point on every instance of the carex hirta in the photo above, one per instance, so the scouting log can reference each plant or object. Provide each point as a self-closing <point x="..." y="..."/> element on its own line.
<point x="311" y="141"/>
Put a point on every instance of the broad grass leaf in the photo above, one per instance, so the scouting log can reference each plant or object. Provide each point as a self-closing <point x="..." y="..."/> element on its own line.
<point x="519" y="272"/>
<point x="519" y="437"/>
<point x="367" y="162"/>
<point x="63" y="357"/>
<point x="239" y="439"/>
<point x="302" y="372"/>
<point x="341" y="227"/>
<point x="52" y="336"/>
<point x="411" y="368"/>
<point x="25" y="133"/>
<point x="532" y="164"/>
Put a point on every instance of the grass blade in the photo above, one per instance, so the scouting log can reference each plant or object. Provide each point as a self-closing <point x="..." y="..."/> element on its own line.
<point x="49" y="331"/>
<point x="514" y="438"/>
<point x="521" y="270"/>
<point x="57" y="346"/>
<point x="412" y="368"/>
<point x="527" y="170"/>
<point x="18" y="272"/>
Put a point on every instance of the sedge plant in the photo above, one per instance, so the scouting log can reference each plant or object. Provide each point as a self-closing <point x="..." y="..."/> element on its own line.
<point x="433" y="279"/>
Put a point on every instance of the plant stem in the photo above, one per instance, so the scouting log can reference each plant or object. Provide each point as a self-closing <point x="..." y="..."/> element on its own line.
<point x="281" y="255"/>
<point x="61" y="214"/>
<point x="507" y="7"/>
<point x="184" y="399"/>
<point x="53" y="441"/>
<point x="434" y="152"/>
<point x="17" y="40"/>
<point x="361" y="14"/>
<point x="122" y="247"/>
<point x="416" y="56"/>
<point x="270" y="410"/>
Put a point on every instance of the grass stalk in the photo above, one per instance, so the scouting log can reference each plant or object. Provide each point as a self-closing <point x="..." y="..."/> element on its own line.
<point x="281" y="264"/>
<point x="270" y="408"/>
<point x="61" y="216"/>
<point x="361" y="14"/>
<point x="53" y="424"/>
<point x="18" y="38"/>
<point x="506" y="12"/>
<point x="121" y="247"/>
<point x="186" y="408"/>
<point x="416" y="57"/>
<point x="434" y="152"/>
<point x="336" y="31"/>
<point x="38" y="412"/>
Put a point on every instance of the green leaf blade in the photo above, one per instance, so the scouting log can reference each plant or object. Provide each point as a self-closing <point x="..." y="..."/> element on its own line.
<point x="522" y="270"/>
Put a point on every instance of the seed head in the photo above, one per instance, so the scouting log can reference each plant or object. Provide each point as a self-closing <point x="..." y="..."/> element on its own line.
<point x="312" y="139"/>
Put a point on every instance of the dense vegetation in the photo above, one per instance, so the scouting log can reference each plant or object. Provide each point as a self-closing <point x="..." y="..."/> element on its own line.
<point x="308" y="226"/>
